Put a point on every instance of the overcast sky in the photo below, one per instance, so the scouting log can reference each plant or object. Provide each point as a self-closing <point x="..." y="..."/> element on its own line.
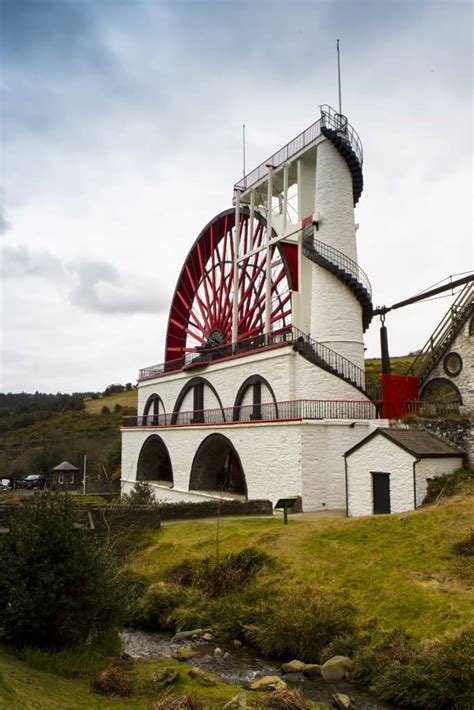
<point x="122" y="138"/>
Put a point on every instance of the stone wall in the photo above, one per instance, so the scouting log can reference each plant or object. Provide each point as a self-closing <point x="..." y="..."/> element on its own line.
<point x="104" y="518"/>
<point x="463" y="344"/>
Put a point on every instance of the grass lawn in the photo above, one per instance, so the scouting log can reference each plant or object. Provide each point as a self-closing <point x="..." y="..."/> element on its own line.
<point x="398" y="569"/>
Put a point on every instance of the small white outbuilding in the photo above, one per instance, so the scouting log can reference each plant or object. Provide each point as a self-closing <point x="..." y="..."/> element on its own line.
<point x="387" y="472"/>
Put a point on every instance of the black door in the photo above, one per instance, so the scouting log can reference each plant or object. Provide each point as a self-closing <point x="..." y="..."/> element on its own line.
<point x="381" y="492"/>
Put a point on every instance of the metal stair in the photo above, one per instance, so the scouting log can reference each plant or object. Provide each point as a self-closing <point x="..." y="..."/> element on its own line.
<point x="343" y="146"/>
<point x="344" y="268"/>
<point x="329" y="360"/>
<point x="335" y="127"/>
<point x="442" y="337"/>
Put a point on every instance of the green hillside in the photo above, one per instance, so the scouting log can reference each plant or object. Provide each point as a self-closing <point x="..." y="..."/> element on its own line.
<point x="123" y="399"/>
<point x="373" y="368"/>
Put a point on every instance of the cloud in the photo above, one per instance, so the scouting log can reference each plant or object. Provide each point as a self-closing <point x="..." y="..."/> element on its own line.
<point x="91" y="285"/>
<point x="21" y="261"/>
<point x="101" y="289"/>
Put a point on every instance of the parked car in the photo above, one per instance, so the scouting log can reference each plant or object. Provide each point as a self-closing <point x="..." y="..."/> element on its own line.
<point x="34" y="480"/>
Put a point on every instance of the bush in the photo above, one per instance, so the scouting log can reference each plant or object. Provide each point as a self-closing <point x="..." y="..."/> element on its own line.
<point x="284" y="700"/>
<point x="105" y="410"/>
<point x="300" y="624"/>
<point x="446" y="485"/>
<point x="58" y="586"/>
<point x="465" y="548"/>
<point x="113" y="681"/>
<point x="216" y="578"/>
<point x="182" y="701"/>
<point x="420" y="675"/>
<point x="142" y="494"/>
<point x="155" y="609"/>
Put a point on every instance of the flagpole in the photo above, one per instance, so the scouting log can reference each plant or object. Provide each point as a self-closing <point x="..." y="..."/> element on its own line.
<point x="339" y="76"/>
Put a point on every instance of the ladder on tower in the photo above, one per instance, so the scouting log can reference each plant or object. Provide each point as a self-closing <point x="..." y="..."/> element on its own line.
<point x="440" y="340"/>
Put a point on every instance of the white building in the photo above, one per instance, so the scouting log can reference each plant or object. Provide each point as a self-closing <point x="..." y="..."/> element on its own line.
<point x="262" y="390"/>
<point x="388" y="471"/>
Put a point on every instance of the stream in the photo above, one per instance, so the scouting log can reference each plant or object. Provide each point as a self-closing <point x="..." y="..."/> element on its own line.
<point x="243" y="665"/>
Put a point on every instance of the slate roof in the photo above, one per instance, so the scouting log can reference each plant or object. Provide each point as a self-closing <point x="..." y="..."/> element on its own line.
<point x="65" y="466"/>
<point x="417" y="442"/>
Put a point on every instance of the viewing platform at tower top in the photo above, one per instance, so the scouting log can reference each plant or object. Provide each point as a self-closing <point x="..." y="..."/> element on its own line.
<point x="330" y="120"/>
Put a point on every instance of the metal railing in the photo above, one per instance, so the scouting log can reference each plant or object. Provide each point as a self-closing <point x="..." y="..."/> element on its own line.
<point x="340" y="364"/>
<point x="336" y="257"/>
<point x="329" y="119"/>
<point x="204" y="357"/>
<point x="286" y="336"/>
<point x="265" y="412"/>
<point x="338" y="122"/>
<point x="441" y="336"/>
<point x="433" y="409"/>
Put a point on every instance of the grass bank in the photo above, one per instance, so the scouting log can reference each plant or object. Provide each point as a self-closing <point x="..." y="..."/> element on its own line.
<point x="25" y="687"/>
<point x="396" y="570"/>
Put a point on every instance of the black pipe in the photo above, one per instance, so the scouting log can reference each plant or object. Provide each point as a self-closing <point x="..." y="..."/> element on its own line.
<point x="386" y="367"/>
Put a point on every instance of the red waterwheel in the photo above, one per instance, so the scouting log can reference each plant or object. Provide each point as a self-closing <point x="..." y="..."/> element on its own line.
<point x="201" y="309"/>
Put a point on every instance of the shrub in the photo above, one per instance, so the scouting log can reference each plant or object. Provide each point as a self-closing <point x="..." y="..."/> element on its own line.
<point x="58" y="586"/>
<point x="142" y="494"/>
<point x="420" y="675"/>
<point x="465" y="548"/>
<point x="446" y="485"/>
<point x="301" y="623"/>
<point x="105" y="409"/>
<point x="183" y="701"/>
<point x="155" y="609"/>
<point x="284" y="700"/>
<point x="112" y="681"/>
<point x="216" y="578"/>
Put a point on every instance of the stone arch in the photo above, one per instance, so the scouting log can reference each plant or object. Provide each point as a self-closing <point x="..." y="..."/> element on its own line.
<point x="440" y="389"/>
<point x="198" y="386"/>
<point x="217" y="467"/>
<point x="154" y="403"/>
<point x="255" y="382"/>
<point x="154" y="463"/>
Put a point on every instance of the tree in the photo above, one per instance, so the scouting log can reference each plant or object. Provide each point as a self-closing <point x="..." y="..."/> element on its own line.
<point x="141" y="494"/>
<point x="59" y="586"/>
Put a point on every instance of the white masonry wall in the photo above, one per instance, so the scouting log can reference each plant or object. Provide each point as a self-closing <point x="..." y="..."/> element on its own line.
<point x="431" y="468"/>
<point x="336" y="315"/>
<point x="380" y="455"/>
<point x="287" y="459"/>
<point x="324" y="444"/>
<point x="270" y="455"/>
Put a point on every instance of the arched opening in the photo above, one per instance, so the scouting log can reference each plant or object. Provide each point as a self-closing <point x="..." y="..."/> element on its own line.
<point x="197" y="395"/>
<point x="441" y="390"/>
<point x="255" y="400"/>
<point x="154" y="463"/>
<point x="217" y="467"/>
<point x="154" y="411"/>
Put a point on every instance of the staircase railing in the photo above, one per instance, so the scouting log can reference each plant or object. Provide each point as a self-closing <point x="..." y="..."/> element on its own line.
<point x="338" y="122"/>
<point x="340" y="364"/>
<point x="441" y="336"/>
<point x="336" y="257"/>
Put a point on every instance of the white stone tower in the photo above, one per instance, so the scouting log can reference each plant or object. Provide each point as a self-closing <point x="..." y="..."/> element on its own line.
<point x="319" y="176"/>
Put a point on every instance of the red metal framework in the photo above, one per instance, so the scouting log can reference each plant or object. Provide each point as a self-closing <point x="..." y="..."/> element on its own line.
<point x="201" y="309"/>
